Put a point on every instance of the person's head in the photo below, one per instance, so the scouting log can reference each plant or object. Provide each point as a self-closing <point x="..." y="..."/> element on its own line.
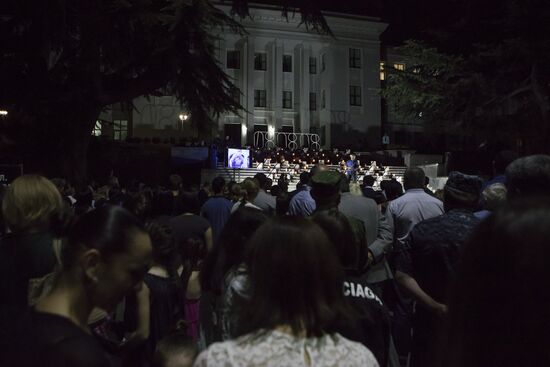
<point x="413" y="178"/>
<point x="426" y="181"/>
<point x="84" y="196"/>
<point x="138" y="204"/>
<point x="368" y="180"/>
<point x="499" y="309"/>
<point x="295" y="279"/>
<point x="461" y="191"/>
<point x="528" y="176"/>
<point x="31" y="203"/>
<point x="251" y="189"/>
<point x="262" y="180"/>
<point x="218" y="185"/>
<point x="392" y="189"/>
<point x="175" y="350"/>
<point x="304" y="178"/>
<point x="502" y="160"/>
<point x="325" y="188"/>
<point x="116" y="196"/>
<point x="276" y="190"/>
<point x="230" y="249"/>
<point x="494" y="196"/>
<point x="316" y="169"/>
<point x="108" y="253"/>
<point x="175" y="182"/>
<point x="163" y="244"/>
<point x="84" y="199"/>
<point x="340" y="233"/>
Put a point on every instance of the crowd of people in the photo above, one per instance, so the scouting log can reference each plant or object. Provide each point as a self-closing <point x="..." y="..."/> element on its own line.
<point x="249" y="274"/>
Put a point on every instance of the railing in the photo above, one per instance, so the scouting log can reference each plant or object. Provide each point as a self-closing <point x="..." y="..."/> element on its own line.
<point x="292" y="141"/>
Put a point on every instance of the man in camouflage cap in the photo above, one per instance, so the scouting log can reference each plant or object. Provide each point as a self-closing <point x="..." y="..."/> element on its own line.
<point x="325" y="190"/>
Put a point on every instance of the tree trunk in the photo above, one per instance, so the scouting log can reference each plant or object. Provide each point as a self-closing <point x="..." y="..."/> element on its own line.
<point x="542" y="95"/>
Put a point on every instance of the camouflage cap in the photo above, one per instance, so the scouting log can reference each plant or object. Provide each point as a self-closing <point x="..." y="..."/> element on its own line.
<point x="327" y="181"/>
<point x="467" y="184"/>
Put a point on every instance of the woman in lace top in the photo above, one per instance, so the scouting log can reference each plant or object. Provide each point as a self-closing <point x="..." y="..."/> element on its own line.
<point x="296" y="304"/>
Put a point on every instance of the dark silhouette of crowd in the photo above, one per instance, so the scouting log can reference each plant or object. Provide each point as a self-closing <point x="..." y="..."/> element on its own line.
<point x="249" y="274"/>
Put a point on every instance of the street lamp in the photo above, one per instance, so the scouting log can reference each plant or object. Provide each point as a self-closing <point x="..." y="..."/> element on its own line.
<point x="183" y="117"/>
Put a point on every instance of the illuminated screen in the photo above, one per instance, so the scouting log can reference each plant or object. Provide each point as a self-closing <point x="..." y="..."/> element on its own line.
<point x="238" y="158"/>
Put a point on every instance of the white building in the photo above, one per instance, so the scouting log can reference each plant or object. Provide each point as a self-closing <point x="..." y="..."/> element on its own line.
<point x="291" y="80"/>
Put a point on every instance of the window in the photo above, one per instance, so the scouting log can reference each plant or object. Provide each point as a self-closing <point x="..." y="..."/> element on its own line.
<point x="382" y="72"/>
<point x="287" y="63"/>
<point x="233" y="59"/>
<point x="120" y="128"/>
<point x="313" y="101"/>
<point x="287" y="99"/>
<point x="354" y="95"/>
<point x="97" y="128"/>
<point x="323" y="101"/>
<point x="259" y="98"/>
<point x="399" y="66"/>
<point x="260" y="61"/>
<point x="236" y="94"/>
<point x="355" y="58"/>
<point x="313" y="65"/>
<point x="323" y="65"/>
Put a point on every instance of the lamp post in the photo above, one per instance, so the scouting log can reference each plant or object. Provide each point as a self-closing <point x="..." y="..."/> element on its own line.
<point x="183" y="117"/>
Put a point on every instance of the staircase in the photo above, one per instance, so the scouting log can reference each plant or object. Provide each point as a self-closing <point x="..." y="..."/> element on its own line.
<point x="238" y="175"/>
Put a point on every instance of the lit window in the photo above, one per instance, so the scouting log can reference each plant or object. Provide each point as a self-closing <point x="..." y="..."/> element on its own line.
<point x="233" y="59"/>
<point x="399" y="66"/>
<point x="382" y="72"/>
<point x="355" y="58"/>
<point x="97" y="128"/>
<point x="313" y="101"/>
<point x="260" y="61"/>
<point x="120" y="128"/>
<point x="287" y="99"/>
<point x="259" y="98"/>
<point x="313" y="65"/>
<point x="287" y="63"/>
<point x="354" y="95"/>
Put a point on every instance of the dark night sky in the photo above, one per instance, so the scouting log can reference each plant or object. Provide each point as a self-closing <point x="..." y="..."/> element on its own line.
<point x="463" y="21"/>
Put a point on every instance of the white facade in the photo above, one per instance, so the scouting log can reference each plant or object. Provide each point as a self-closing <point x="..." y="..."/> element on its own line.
<point x="274" y="37"/>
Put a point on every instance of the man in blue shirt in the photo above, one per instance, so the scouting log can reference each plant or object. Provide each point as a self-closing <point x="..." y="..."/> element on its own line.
<point x="217" y="208"/>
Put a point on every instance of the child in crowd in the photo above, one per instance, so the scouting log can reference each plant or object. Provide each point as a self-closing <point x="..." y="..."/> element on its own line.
<point x="175" y="350"/>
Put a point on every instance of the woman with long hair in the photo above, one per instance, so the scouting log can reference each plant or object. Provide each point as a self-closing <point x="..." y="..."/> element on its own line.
<point x="295" y="304"/>
<point x="223" y="275"/>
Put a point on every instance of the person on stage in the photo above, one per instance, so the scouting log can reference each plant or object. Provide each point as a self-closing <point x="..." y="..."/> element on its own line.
<point x="352" y="166"/>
